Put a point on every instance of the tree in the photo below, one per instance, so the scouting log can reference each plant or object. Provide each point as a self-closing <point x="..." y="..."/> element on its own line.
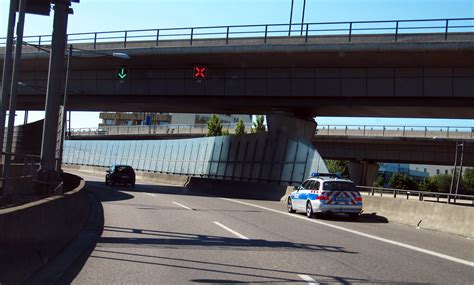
<point x="225" y="132"/>
<point x="468" y="181"/>
<point x="428" y="185"/>
<point x="258" y="126"/>
<point x="402" y="181"/>
<point x="443" y="182"/>
<point x="214" y="126"/>
<point x="379" y="181"/>
<point x="240" y="128"/>
<point x="338" y="166"/>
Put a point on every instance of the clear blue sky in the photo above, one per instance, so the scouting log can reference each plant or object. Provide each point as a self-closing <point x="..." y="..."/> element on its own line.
<point x="103" y="15"/>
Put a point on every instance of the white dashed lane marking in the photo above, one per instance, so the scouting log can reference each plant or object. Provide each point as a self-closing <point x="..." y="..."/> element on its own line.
<point x="231" y="230"/>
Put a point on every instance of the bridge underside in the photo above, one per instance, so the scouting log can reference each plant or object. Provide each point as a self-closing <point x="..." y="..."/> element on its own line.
<point x="428" y="107"/>
<point x="432" y="80"/>
<point x="399" y="150"/>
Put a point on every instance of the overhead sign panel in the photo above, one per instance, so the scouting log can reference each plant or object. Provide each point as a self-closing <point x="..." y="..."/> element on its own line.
<point x="40" y="7"/>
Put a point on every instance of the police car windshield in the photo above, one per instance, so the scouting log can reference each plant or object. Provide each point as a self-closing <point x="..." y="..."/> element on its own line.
<point x="339" y="186"/>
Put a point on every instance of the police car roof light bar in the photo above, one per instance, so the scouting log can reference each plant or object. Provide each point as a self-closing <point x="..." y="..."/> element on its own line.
<point x="333" y="175"/>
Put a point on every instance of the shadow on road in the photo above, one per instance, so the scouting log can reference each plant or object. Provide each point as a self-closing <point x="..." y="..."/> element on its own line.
<point x="105" y="193"/>
<point x="363" y="218"/>
<point x="240" y="271"/>
<point x="179" y="240"/>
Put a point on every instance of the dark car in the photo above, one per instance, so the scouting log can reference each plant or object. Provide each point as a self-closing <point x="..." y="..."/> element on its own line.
<point x="120" y="174"/>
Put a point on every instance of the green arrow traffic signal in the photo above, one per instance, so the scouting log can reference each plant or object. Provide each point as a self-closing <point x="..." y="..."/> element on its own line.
<point x="122" y="73"/>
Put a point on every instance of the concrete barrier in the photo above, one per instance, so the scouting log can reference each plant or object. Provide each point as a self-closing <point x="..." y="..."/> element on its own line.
<point x="32" y="234"/>
<point x="454" y="219"/>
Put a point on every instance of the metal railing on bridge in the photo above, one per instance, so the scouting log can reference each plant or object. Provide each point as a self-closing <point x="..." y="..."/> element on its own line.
<point x="432" y="132"/>
<point x="151" y="129"/>
<point x="393" y="30"/>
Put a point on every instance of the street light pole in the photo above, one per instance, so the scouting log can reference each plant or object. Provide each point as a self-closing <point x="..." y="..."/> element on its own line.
<point x="291" y="17"/>
<point x="7" y="70"/>
<point x="64" y="114"/>
<point x="302" y="17"/>
<point x="460" y="170"/>
<point x="8" y="187"/>
<point x="47" y="173"/>
<point x="454" y="173"/>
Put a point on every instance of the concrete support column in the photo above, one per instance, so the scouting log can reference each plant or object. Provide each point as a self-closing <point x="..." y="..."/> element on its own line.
<point x="363" y="173"/>
<point x="289" y="156"/>
<point x="288" y="125"/>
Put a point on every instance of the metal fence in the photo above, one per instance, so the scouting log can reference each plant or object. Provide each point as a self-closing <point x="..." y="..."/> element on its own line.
<point x="419" y="195"/>
<point x="393" y="30"/>
<point x="433" y="132"/>
<point x="152" y="129"/>
<point x="22" y="172"/>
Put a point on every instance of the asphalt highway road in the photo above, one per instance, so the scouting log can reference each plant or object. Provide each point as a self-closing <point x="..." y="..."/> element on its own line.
<point x="157" y="234"/>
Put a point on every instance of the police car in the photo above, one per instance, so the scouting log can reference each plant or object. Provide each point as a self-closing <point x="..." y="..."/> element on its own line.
<point x="326" y="193"/>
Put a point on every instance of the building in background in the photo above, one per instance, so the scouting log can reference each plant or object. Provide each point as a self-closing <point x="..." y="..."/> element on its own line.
<point x="145" y="119"/>
<point x="416" y="171"/>
<point x="192" y="119"/>
<point x="133" y="119"/>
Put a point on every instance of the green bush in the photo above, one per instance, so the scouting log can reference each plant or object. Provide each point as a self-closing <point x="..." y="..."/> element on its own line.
<point x="379" y="181"/>
<point x="428" y="185"/>
<point x="442" y="181"/>
<point x="402" y="181"/>
<point x="468" y="181"/>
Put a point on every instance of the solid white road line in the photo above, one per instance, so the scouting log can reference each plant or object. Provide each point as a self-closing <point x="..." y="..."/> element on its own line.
<point x="419" y="249"/>
<point x="149" y="194"/>
<point x="308" y="279"/>
<point x="181" y="205"/>
<point x="231" y="230"/>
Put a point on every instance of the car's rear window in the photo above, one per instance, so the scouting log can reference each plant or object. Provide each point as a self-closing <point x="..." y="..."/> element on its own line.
<point x="339" y="186"/>
<point x="124" y="169"/>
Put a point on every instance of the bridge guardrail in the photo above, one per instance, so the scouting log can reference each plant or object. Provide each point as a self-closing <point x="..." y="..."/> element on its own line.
<point x="434" y="132"/>
<point x="27" y="175"/>
<point x="394" y="29"/>
<point x="421" y="195"/>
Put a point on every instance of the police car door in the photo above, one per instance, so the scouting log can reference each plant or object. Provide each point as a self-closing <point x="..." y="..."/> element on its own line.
<point x="296" y="196"/>
<point x="303" y="194"/>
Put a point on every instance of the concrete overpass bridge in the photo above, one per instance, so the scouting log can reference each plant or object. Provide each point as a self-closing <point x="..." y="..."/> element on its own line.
<point x="381" y="69"/>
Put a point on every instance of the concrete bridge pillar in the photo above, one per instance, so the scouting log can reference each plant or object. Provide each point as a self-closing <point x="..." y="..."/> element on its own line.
<point x="289" y="125"/>
<point x="289" y="154"/>
<point x="363" y="173"/>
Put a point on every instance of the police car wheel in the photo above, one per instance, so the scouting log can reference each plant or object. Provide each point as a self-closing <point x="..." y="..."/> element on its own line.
<point x="309" y="210"/>
<point x="290" y="206"/>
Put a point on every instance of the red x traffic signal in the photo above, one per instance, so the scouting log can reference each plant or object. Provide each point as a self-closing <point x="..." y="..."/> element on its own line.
<point x="200" y="72"/>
